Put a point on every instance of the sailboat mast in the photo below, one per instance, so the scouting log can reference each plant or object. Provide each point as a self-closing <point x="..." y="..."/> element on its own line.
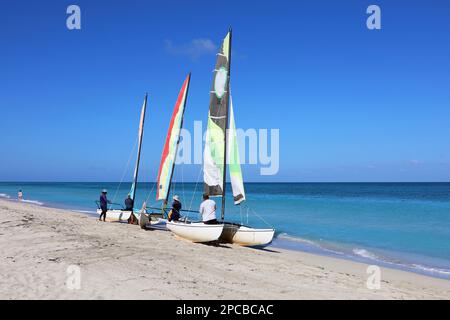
<point x="224" y="178"/>
<point x="178" y="141"/>
<point x="139" y="149"/>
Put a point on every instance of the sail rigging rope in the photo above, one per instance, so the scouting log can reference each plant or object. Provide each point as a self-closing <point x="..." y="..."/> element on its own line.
<point x="195" y="188"/>
<point x="182" y="182"/>
<point x="125" y="171"/>
<point x="247" y="214"/>
<point x="257" y="215"/>
<point x="174" y="185"/>
<point x="150" y="192"/>
<point x="240" y="214"/>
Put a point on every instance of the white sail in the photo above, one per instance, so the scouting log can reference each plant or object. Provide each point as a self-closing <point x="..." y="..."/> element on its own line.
<point x="132" y="192"/>
<point x="234" y="163"/>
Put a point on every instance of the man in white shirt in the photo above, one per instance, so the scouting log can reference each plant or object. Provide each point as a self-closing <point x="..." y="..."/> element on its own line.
<point x="208" y="210"/>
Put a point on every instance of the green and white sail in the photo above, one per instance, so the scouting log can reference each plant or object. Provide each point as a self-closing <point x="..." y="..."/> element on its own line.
<point x="234" y="163"/>
<point x="214" y="152"/>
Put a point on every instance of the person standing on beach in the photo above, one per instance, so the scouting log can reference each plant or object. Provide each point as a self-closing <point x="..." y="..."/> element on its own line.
<point x="129" y="204"/>
<point x="208" y="210"/>
<point x="103" y="204"/>
<point x="20" y="195"/>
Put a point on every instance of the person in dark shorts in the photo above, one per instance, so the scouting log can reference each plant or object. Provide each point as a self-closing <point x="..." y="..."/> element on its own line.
<point x="129" y="204"/>
<point x="103" y="204"/>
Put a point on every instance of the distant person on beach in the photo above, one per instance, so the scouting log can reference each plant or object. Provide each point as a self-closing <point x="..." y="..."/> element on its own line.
<point x="20" y="195"/>
<point x="129" y="203"/>
<point x="174" y="214"/>
<point x="208" y="210"/>
<point x="103" y="204"/>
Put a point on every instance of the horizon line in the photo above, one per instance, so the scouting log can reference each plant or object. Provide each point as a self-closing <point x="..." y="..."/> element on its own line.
<point x="228" y="182"/>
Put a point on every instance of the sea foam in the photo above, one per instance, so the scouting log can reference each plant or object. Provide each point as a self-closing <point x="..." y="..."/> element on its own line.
<point x="310" y="243"/>
<point x="432" y="270"/>
<point x="33" y="202"/>
<point x="365" y="254"/>
<point x="85" y="211"/>
<point x="418" y="267"/>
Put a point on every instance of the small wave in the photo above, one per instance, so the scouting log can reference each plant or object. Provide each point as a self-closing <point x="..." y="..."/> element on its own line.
<point x="33" y="202"/>
<point x="431" y="270"/>
<point x="4" y="195"/>
<point x="285" y="236"/>
<point x="311" y="243"/>
<point x="359" y="253"/>
<point x="365" y="254"/>
<point x="420" y="268"/>
<point x="85" y="211"/>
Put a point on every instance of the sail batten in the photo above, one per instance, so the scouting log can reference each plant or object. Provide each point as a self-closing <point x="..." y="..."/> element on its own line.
<point x="171" y="145"/>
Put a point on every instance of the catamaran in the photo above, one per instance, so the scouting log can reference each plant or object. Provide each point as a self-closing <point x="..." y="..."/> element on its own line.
<point x="220" y="144"/>
<point x="143" y="217"/>
<point x="198" y="232"/>
<point x="156" y="220"/>
<point x="121" y="215"/>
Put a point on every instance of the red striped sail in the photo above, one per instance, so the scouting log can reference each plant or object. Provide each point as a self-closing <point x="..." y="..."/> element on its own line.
<point x="170" y="147"/>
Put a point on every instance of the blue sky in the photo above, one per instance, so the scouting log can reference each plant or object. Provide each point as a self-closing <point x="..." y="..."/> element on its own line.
<point x="351" y="104"/>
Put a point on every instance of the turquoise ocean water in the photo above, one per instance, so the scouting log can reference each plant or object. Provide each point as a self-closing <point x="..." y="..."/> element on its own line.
<point x="400" y="225"/>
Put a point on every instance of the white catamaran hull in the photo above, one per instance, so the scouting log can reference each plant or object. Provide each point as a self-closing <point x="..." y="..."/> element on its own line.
<point x="196" y="231"/>
<point x="246" y="236"/>
<point x="116" y="215"/>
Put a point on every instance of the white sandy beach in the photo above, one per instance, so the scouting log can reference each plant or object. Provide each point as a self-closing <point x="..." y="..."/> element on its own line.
<point x="120" y="261"/>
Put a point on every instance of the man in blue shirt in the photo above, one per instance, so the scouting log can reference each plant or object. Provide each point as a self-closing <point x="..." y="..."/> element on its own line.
<point x="176" y="208"/>
<point x="104" y="204"/>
